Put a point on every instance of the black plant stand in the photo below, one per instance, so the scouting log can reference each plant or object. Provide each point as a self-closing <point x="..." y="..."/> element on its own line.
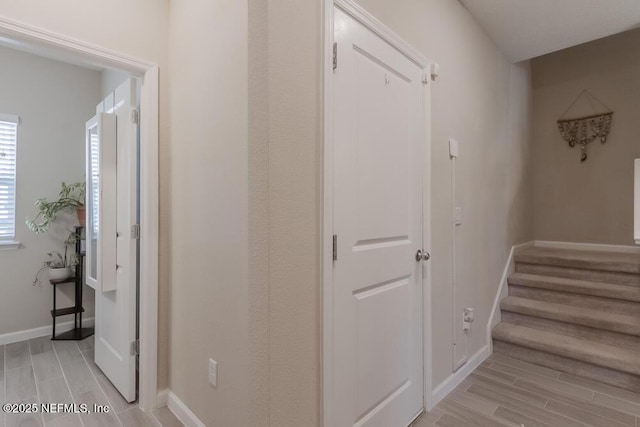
<point x="78" y="332"/>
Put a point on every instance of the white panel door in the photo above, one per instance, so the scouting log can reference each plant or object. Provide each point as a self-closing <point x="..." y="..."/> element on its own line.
<point x="116" y="302"/>
<point x="378" y="162"/>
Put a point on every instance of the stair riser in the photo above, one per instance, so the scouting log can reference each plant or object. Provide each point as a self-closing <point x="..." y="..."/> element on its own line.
<point x="594" y="289"/>
<point x="596" y="335"/>
<point x="586" y="301"/>
<point x="597" y="262"/>
<point x="583" y="369"/>
<point x="568" y="317"/>
<point x="576" y="273"/>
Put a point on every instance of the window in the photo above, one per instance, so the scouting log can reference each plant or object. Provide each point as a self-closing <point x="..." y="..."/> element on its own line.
<point x="8" y="151"/>
<point x="94" y="191"/>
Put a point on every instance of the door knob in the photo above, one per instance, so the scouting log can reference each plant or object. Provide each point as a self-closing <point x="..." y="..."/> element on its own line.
<point x="422" y="255"/>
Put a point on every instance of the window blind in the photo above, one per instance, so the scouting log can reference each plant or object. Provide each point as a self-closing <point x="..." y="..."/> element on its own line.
<point x="8" y="151"/>
<point x="95" y="184"/>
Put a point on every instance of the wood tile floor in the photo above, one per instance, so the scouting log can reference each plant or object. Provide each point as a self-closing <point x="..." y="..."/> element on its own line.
<point x="508" y="392"/>
<point x="41" y="370"/>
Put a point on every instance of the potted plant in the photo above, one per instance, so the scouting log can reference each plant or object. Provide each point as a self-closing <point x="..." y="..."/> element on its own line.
<point x="57" y="265"/>
<point x="70" y="197"/>
<point x="61" y="266"/>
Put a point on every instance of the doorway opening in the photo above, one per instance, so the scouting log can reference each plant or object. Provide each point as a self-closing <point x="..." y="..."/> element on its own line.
<point x="51" y="46"/>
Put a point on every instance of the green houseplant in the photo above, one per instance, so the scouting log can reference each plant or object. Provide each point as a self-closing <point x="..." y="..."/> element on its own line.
<point x="70" y="197"/>
<point x="60" y="266"/>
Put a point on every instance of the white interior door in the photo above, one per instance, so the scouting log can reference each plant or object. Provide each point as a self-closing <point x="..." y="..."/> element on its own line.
<point x="379" y="137"/>
<point x="117" y="258"/>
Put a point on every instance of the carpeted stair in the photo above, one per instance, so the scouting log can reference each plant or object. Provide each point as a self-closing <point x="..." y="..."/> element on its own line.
<point x="574" y="311"/>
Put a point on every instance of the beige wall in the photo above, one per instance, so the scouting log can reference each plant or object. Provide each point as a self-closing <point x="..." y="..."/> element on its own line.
<point x="241" y="151"/>
<point x="258" y="369"/>
<point x="295" y="162"/>
<point x="139" y="29"/>
<point x="591" y="201"/>
<point x="471" y="102"/>
<point x="218" y="281"/>
<point x="53" y="100"/>
<point x="519" y="202"/>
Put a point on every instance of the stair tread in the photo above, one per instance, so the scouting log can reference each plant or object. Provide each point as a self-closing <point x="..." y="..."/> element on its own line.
<point x="577" y="286"/>
<point x="588" y="260"/>
<point x="607" y="320"/>
<point x="570" y="347"/>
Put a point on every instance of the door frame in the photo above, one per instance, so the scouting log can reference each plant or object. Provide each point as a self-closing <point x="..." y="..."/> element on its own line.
<point x="378" y="28"/>
<point x="64" y="47"/>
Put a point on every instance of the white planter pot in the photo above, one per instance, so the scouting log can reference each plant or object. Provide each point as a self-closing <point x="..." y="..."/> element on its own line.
<point x="59" y="273"/>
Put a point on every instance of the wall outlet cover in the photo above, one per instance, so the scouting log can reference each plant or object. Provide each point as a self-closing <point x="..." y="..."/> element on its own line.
<point x="213" y="373"/>
<point x="453" y="148"/>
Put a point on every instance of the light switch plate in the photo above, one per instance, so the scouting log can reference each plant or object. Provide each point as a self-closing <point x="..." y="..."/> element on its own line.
<point x="458" y="215"/>
<point x="213" y="373"/>
<point x="453" y="148"/>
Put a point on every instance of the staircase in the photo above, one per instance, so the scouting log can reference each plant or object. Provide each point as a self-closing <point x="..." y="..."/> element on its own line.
<point x="574" y="311"/>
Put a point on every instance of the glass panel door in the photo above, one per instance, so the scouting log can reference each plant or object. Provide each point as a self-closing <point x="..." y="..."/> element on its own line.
<point x="93" y="201"/>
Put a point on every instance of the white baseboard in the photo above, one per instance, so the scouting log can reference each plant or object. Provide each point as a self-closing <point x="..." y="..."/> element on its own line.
<point x="42" y="331"/>
<point x="523" y="246"/>
<point x="182" y="412"/>
<point x="636" y="201"/>
<point x="503" y="290"/>
<point x="587" y="246"/>
<point x="454" y="380"/>
<point x="163" y="398"/>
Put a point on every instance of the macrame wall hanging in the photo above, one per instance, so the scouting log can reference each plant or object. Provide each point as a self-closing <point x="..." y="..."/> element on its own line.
<point x="584" y="129"/>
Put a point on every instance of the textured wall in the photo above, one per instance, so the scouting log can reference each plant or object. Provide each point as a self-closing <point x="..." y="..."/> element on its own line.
<point x="258" y="369"/>
<point x="215" y="200"/>
<point x="294" y="208"/>
<point x="471" y="102"/>
<point x="216" y="303"/>
<point x="591" y="201"/>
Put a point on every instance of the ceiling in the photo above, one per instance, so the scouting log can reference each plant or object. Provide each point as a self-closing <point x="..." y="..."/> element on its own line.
<point x="524" y="29"/>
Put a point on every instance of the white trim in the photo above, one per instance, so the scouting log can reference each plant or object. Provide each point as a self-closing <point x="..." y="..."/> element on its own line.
<point x="42" y="38"/>
<point x="415" y="417"/>
<point x="503" y="289"/>
<point x="163" y="398"/>
<point x="42" y="331"/>
<point x="454" y="380"/>
<point x="327" y="225"/>
<point x="636" y="198"/>
<point x="182" y="411"/>
<point x="385" y="33"/>
<point x="587" y="247"/>
<point x="362" y="16"/>
<point x="10" y="118"/>
<point x="149" y="232"/>
<point x="65" y="46"/>
<point x="426" y="242"/>
<point x="9" y="245"/>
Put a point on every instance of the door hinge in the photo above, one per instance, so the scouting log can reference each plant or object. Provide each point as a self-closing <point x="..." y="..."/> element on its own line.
<point x="425" y="79"/>
<point x="135" y="231"/>
<point x="135" y="116"/>
<point x="335" y="56"/>
<point x="135" y="348"/>
<point x="335" y="247"/>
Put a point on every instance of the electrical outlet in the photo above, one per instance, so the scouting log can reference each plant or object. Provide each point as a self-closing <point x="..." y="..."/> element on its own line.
<point x="213" y="373"/>
<point x="469" y="314"/>
<point x="468" y="317"/>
